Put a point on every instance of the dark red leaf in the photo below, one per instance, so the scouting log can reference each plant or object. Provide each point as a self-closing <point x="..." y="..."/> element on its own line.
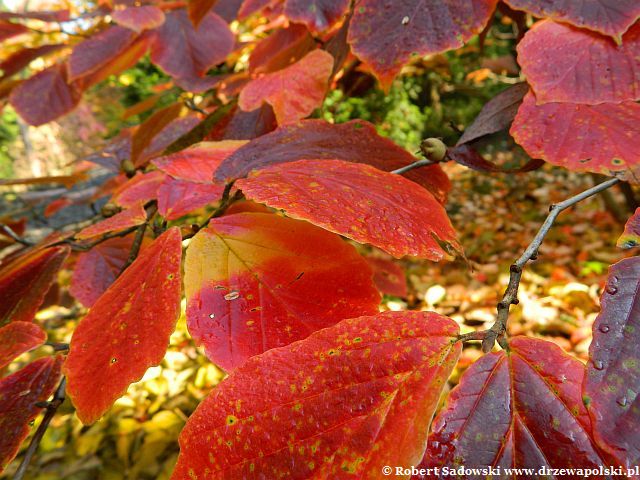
<point x="25" y="280"/>
<point x="388" y="277"/>
<point x="17" y="338"/>
<point x="357" y="201"/>
<point x="520" y="409"/>
<point x="45" y="96"/>
<point x="199" y="162"/>
<point x="187" y="53"/>
<point x="318" y="15"/>
<point x="22" y="58"/>
<point x="127" y="330"/>
<point x="342" y="403"/>
<point x="198" y="9"/>
<point x="138" y="19"/>
<point x="177" y="198"/>
<point x="139" y="189"/>
<point x="9" y="29"/>
<point x="280" y="49"/>
<point x="98" y="50"/>
<point x="45" y="15"/>
<point x="586" y="67"/>
<point x="227" y="9"/>
<point x="387" y="34"/>
<point x="19" y="394"/>
<point x="354" y="141"/>
<point x="595" y="138"/>
<point x="497" y="114"/>
<point x="466" y="155"/>
<point x="167" y="136"/>
<point x="256" y="281"/>
<point x="610" y="17"/>
<point x="613" y="381"/>
<point x="631" y="236"/>
<point x="151" y="127"/>
<point x="241" y="125"/>
<point x="295" y="91"/>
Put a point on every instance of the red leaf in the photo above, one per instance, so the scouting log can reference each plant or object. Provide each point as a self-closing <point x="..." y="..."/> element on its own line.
<point x="9" y="29"/>
<point x="318" y="15"/>
<point x="19" y="394"/>
<point x="257" y="281"/>
<point x="17" y="338"/>
<point x="57" y="205"/>
<point x="612" y="382"/>
<point x="135" y="215"/>
<point x="177" y="198"/>
<point x="610" y="17"/>
<point x="25" y="280"/>
<point x="523" y="409"/>
<point x="594" y="138"/>
<point x="280" y="49"/>
<point x="293" y="92"/>
<point x="44" y="15"/>
<point x="22" y="58"/>
<point x="357" y="201"/>
<point x="345" y="401"/>
<point x="497" y="114"/>
<point x="241" y="125"/>
<point x="388" y="277"/>
<point x="139" y="189"/>
<point x="98" y="50"/>
<point x="587" y="67"/>
<point x="138" y="19"/>
<point x="186" y="53"/>
<point x="98" y="268"/>
<point x="199" y="162"/>
<point x="127" y="330"/>
<point x="386" y="34"/>
<point x="45" y="96"/>
<point x="631" y="236"/>
<point x="354" y="141"/>
<point x="151" y="127"/>
<point x="198" y="9"/>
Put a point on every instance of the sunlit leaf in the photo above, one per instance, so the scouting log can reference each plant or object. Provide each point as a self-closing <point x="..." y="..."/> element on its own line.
<point x="139" y="189"/>
<point x="127" y="330"/>
<point x="587" y="67"/>
<point x="17" y="338"/>
<point x="346" y="401"/>
<point x="519" y="409"/>
<point x="357" y="201"/>
<point x="281" y="48"/>
<point x="135" y="215"/>
<point x="387" y="34"/>
<point x="594" y="138"/>
<point x="177" y="198"/>
<point x="10" y="29"/>
<point x="613" y="373"/>
<point x="293" y="92"/>
<point x="138" y="19"/>
<point x="354" y="141"/>
<point x="22" y="58"/>
<point x="631" y="236"/>
<point x="45" y="96"/>
<point x="19" y="394"/>
<point x="25" y="280"/>
<point x="199" y="162"/>
<point x="257" y="281"/>
<point x="610" y="17"/>
<point x="151" y="127"/>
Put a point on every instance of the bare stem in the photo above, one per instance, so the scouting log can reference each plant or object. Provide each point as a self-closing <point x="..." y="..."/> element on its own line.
<point x="51" y="409"/>
<point x="411" y="166"/>
<point x="137" y="241"/>
<point x="510" y="297"/>
<point x="9" y="232"/>
<point x="225" y="201"/>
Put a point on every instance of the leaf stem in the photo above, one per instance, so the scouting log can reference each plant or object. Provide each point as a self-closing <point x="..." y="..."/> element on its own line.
<point x="498" y="330"/>
<point x="9" y="232"/>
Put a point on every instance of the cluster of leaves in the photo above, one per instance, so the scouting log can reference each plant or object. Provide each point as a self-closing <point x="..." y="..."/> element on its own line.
<point x="320" y="385"/>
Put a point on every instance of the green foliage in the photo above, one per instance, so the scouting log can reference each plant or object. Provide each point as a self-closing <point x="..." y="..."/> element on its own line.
<point x="9" y="130"/>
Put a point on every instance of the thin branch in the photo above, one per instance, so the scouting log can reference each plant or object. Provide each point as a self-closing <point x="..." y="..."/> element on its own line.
<point x="225" y="201"/>
<point x="498" y="329"/>
<point x="83" y="247"/>
<point x="51" y="407"/>
<point x="9" y="232"/>
<point x="57" y="346"/>
<point x="411" y="166"/>
<point x="137" y="241"/>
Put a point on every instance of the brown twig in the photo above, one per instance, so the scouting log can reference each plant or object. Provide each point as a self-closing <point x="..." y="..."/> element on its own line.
<point x="498" y="330"/>
<point x="83" y="247"/>
<point x="225" y="201"/>
<point x="51" y="408"/>
<point x="137" y="241"/>
<point x="10" y="233"/>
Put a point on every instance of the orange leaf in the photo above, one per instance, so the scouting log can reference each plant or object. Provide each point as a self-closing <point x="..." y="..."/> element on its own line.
<point x="17" y="338"/>
<point x="135" y="215"/>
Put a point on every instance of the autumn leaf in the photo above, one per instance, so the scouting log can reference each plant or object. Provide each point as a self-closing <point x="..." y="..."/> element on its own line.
<point x="293" y="92"/>
<point x="349" y="399"/>
<point x="388" y="276"/>
<point x="139" y="189"/>
<point x="17" y="338"/>
<point x="519" y="409"/>
<point x="19" y="394"/>
<point x="318" y="15"/>
<point x="587" y="67"/>
<point x="130" y="217"/>
<point x="280" y="49"/>
<point x="177" y="198"/>
<point x="357" y="201"/>
<point x="388" y="34"/>
<point x="594" y="138"/>
<point x="256" y="281"/>
<point x="146" y="17"/>
<point x="354" y="141"/>
<point x="127" y="330"/>
<point x="25" y="280"/>
<point x="612" y="383"/>
<point x="631" y="236"/>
